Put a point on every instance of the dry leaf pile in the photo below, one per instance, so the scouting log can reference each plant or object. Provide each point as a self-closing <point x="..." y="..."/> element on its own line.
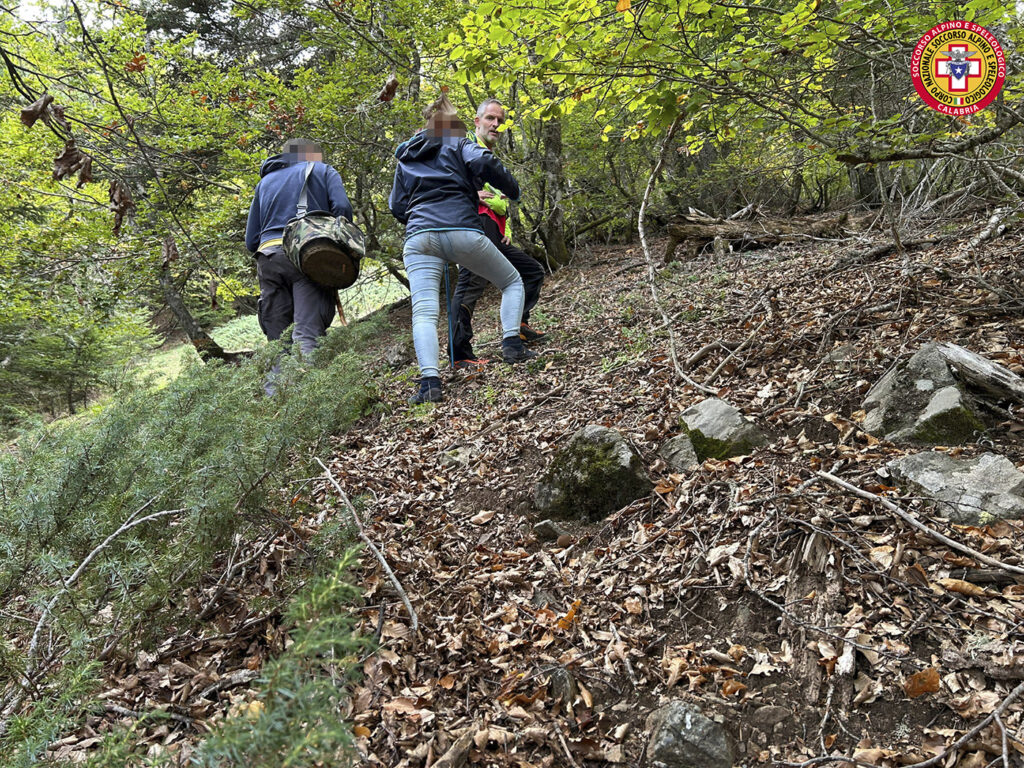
<point x="816" y="624"/>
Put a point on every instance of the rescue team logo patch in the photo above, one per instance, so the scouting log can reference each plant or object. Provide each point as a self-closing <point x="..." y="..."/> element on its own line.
<point x="958" y="67"/>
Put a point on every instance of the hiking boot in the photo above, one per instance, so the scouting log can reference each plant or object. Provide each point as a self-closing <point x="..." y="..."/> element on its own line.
<point x="513" y="350"/>
<point x="530" y="336"/>
<point x="469" y="364"/>
<point x="429" y="392"/>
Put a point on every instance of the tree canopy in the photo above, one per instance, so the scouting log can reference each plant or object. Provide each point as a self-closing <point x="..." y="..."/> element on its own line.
<point x="129" y="126"/>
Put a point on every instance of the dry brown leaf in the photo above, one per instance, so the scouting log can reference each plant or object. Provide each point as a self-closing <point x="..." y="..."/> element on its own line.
<point x="920" y="683"/>
<point x="961" y="587"/>
<point x="867" y="689"/>
<point x="872" y="756"/>
<point x="737" y="652"/>
<point x="675" y="671"/>
<point x="729" y="687"/>
<point x="634" y="605"/>
<point x="361" y="731"/>
<point x="447" y="682"/>
<point x="482" y="517"/>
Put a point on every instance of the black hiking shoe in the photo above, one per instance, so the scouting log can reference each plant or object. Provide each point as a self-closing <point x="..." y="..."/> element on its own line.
<point x="513" y="350"/>
<point x="530" y="336"/>
<point x="429" y="391"/>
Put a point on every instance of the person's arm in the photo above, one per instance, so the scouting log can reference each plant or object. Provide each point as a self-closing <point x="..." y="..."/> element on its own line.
<point x="398" y="201"/>
<point x="496" y="201"/>
<point x="336" y="197"/>
<point x="483" y="164"/>
<point x="253" y="225"/>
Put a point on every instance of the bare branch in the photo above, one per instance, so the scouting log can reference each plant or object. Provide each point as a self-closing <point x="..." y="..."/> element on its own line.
<point x="372" y="547"/>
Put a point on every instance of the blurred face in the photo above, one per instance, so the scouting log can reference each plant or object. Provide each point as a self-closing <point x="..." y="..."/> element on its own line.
<point x="304" y="155"/>
<point x="446" y="126"/>
<point x="488" y="123"/>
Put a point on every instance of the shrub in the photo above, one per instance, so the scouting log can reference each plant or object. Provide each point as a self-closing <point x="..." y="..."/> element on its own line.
<point x="105" y="520"/>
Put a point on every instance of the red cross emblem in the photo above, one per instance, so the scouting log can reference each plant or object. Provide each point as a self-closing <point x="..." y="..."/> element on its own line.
<point x="958" y="65"/>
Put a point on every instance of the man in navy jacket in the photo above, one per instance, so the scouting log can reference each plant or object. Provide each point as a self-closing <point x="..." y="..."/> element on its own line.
<point x="287" y="296"/>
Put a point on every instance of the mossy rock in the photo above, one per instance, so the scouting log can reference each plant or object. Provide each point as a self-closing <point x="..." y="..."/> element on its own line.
<point x="718" y="430"/>
<point x="596" y="474"/>
<point x="921" y="401"/>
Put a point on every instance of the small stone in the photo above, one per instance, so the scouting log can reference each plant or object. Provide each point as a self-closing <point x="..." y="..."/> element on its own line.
<point x="564" y="540"/>
<point x="768" y="716"/>
<point x="544" y="599"/>
<point x="678" y="453"/>
<point x="563" y="685"/>
<point x="936" y="396"/>
<point x="399" y="354"/>
<point x="680" y="736"/>
<point x="594" y="475"/>
<point x="718" y="430"/>
<point x="548" y="530"/>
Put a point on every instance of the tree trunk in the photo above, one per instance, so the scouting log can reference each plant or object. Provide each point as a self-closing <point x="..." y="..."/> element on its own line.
<point x="204" y="344"/>
<point x="552" y="229"/>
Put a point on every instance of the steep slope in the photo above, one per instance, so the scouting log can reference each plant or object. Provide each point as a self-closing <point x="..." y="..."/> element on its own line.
<point x="798" y="614"/>
<point x="734" y="586"/>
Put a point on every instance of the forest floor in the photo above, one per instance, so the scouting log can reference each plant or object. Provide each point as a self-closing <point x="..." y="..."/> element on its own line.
<point x="810" y="622"/>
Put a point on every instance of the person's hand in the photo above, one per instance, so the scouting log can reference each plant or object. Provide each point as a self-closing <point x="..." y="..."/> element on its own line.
<point x="506" y="240"/>
<point x="484" y="194"/>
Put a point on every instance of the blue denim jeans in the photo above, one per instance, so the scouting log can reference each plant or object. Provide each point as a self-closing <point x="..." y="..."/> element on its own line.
<point x="426" y="254"/>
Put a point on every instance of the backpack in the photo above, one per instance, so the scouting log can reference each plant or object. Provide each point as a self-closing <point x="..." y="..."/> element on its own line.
<point x="325" y="248"/>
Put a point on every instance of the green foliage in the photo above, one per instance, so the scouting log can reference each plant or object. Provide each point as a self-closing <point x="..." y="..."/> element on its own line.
<point x="194" y="464"/>
<point x="296" y="720"/>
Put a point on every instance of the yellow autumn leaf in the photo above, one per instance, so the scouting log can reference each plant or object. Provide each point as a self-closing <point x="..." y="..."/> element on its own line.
<point x="566" y="621"/>
<point x="622" y="6"/>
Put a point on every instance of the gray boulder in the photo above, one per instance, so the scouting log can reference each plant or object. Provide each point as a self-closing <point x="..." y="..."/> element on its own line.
<point x="718" y="430"/>
<point x="970" y="491"/>
<point x="594" y="475"/>
<point x="680" y="736"/>
<point x="934" y="397"/>
<point x="678" y="453"/>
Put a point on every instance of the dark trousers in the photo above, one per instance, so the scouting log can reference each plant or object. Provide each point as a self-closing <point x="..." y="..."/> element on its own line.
<point x="471" y="286"/>
<point x="288" y="297"/>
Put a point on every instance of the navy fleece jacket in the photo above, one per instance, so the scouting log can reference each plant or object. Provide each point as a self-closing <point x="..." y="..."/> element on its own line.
<point x="437" y="179"/>
<point x="276" y="198"/>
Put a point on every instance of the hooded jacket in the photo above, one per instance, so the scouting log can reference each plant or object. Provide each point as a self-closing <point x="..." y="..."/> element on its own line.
<point x="436" y="182"/>
<point x="276" y="198"/>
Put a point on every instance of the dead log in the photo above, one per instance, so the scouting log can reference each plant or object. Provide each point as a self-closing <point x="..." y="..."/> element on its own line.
<point x="876" y="252"/>
<point x="748" y="233"/>
<point x="982" y="374"/>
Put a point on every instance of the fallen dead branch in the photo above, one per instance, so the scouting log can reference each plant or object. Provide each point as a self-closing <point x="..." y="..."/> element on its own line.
<point x="910" y="519"/>
<point x="372" y="547"/>
<point x="956" y="745"/>
<point x="995" y="227"/>
<point x="760" y="233"/>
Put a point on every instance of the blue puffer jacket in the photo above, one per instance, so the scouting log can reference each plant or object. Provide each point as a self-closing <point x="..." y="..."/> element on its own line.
<point x="437" y="179"/>
<point x="277" y="197"/>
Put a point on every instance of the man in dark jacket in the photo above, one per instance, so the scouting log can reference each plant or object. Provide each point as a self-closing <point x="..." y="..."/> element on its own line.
<point x="493" y="214"/>
<point x="287" y="296"/>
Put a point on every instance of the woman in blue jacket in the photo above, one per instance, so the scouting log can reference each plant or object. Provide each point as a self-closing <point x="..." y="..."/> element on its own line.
<point x="435" y="196"/>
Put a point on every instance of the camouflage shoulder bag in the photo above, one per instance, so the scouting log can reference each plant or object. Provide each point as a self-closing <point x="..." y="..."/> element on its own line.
<point x="325" y="248"/>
